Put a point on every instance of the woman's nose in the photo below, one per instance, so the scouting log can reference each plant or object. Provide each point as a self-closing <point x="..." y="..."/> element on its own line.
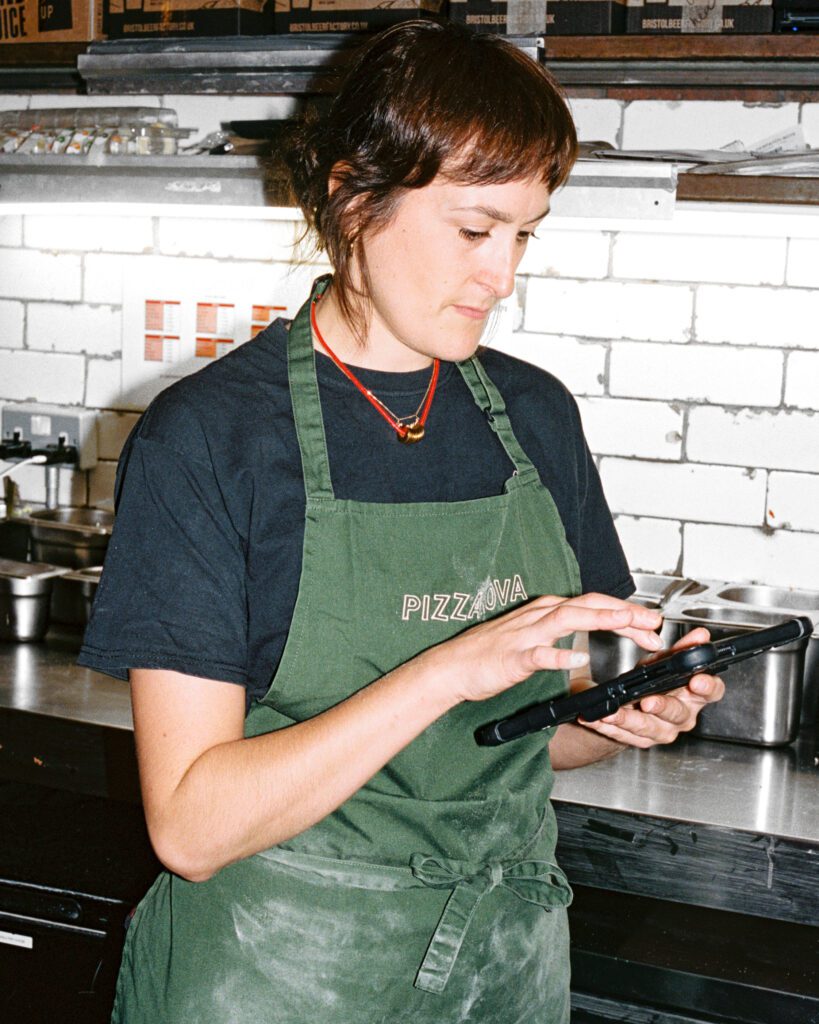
<point x="498" y="272"/>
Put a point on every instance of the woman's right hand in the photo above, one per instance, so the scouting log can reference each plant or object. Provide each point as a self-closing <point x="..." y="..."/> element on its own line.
<point x="492" y="656"/>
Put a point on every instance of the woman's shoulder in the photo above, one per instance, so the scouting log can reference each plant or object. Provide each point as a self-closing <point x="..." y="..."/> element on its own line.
<point x="225" y="403"/>
<point x="524" y="383"/>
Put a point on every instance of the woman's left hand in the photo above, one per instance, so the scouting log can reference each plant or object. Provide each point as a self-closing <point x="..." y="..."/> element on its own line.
<point x="661" y="717"/>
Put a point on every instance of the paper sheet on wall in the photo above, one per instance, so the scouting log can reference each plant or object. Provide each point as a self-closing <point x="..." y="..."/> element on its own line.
<point x="181" y="315"/>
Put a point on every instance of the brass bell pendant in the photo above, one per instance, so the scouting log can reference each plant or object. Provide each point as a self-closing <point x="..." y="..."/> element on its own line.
<point x="412" y="433"/>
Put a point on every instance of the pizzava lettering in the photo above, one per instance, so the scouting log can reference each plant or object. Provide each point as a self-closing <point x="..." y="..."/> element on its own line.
<point x="491" y="595"/>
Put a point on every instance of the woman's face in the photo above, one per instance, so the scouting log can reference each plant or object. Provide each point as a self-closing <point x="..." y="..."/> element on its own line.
<point x="447" y="257"/>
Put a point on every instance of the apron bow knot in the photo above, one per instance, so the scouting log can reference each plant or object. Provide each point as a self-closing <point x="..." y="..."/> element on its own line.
<point x="535" y="881"/>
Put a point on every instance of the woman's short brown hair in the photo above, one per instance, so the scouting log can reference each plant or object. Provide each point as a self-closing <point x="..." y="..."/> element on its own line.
<point x="419" y="99"/>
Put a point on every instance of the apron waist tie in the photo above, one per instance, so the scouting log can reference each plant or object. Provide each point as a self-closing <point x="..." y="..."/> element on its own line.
<point x="535" y="881"/>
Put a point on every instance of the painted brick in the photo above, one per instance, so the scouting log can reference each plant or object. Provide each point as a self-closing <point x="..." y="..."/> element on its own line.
<point x="89" y="233"/>
<point x="556" y="253"/>
<point x="25" y="274"/>
<point x="72" y="485"/>
<point x="609" y="309"/>
<point x="810" y="124"/>
<point x="697" y="258"/>
<point x="103" y="388"/>
<point x="41" y="377"/>
<point x="580" y="366"/>
<point x="11" y="324"/>
<point x="772" y="440"/>
<point x="56" y="327"/>
<point x="775" y="317"/>
<point x="706" y="124"/>
<point x="597" y="120"/>
<point x="113" y="429"/>
<point x="667" y="490"/>
<point x="696" y="373"/>
<point x="239" y="239"/>
<point x="793" y="501"/>
<point x="15" y="101"/>
<point x="803" y="262"/>
<point x="650" y="545"/>
<point x="615" y="426"/>
<point x="744" y="555"/>
<point x="101" y="485"/>
<point x="66" y="99"/>
<point x="11" y="230"/>
<point x="210" y="113"/>
<point x="103" y="276"/>
<point x="802" y="380"/>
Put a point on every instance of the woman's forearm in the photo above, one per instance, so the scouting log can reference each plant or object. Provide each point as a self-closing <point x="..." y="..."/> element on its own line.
<point x="242" y="796"/>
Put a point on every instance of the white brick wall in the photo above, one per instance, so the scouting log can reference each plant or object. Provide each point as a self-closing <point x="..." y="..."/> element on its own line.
<point x="12" y="321"/>
<point x="803" y="262"/>
<point x="706" y="494"/>
<point x="654" y="124"/>
<point x="41" y="377"/>
<point x="92" y="233"/>
<point x="773" y="440"/>
<point x="781" y="317"/>
<point x="693" y="258"/>
<point x="58" y="327"/>
<point x="692" y="344"/>
<point x="651" y="545"/>
<point x="793" y="501"/>
<point x="580" y="365"/>
<point x="782" y="558"/>
<point x="609" y="309"/>
<point x="802" y="380"/>
<point x="259" y="240"/>
<point x="696" y="373"/>
<point x="11" y="230"/>
<point x="28" y="274"/>
<point x="556" y="253"/>
<point x="616" y="426"/>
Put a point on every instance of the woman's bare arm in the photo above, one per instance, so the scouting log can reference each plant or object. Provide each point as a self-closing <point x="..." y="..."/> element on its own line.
<point x="212" y="797"/>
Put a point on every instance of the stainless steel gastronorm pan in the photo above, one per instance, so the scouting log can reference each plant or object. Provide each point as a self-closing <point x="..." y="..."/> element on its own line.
<point x="763" y="697"/>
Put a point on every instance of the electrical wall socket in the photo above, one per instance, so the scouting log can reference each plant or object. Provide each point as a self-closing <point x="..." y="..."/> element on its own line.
<point x="45" y="424"/>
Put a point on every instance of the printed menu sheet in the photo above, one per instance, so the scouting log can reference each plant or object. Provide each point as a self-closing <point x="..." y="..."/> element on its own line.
<point x="180" y="315"/>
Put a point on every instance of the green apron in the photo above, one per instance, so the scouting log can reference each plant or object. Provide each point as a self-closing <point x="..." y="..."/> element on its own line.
<point x="431" y="896"/>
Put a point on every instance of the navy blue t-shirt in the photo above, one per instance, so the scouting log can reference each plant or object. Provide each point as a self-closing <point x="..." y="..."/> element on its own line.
<point x="203" y="567"/>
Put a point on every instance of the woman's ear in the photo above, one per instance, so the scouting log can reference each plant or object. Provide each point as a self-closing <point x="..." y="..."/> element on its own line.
<point x="340" y="171"/>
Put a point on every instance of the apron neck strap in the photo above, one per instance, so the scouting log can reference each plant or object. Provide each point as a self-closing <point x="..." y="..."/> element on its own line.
<point x="304" y="394"/>
<point x="490" y="401"/>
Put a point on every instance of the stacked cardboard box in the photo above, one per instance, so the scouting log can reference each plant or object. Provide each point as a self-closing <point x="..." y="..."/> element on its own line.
<point x="134" y="19"/>
<point x="536" y="17"/>
<point x="658" y="17"/>
<point x="46" y="21"/>
<point x="348" y="15"/>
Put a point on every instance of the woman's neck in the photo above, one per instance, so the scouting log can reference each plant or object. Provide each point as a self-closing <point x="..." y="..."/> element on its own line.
<point x="377" y="349"/>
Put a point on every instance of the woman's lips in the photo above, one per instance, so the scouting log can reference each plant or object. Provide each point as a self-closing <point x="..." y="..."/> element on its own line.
<point x="472" y="312"/>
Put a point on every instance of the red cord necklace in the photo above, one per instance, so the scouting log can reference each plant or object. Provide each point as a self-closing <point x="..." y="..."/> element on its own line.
<point x="408" y="428"/>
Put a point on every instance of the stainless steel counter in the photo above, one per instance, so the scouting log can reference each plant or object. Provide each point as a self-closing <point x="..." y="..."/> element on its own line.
<point x="770" y="792"/>
<point x="44" y="679"/>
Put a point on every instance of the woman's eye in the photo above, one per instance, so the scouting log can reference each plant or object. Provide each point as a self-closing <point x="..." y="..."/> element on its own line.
<point x="472" y="236"/>
<point x="524" y="236"/>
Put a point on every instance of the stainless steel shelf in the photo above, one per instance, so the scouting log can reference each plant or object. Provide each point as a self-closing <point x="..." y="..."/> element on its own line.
<point x="215" y="180"/>
<point x="292" y="65"/>
<point x="594" y="189"/>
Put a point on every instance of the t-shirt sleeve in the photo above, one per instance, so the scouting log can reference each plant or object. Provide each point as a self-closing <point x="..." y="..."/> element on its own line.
<point x="603" y="565"/>
<point x="172" y="592"/>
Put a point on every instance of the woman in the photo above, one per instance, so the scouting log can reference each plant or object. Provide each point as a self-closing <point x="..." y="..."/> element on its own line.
<point x="315" y="618"/>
